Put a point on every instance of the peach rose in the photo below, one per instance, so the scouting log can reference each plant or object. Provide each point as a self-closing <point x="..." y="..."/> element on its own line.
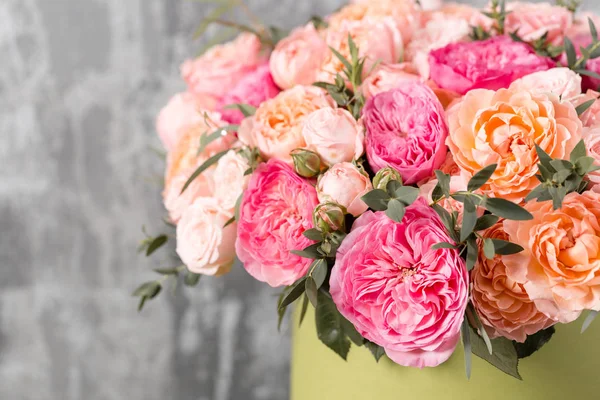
<point x="388" y="76"/>
<point x="591" y="137"/>
<point x="591" y="117"/>
<point x="503" y="127"/>
<point x="502" y="304"/>
<point x="230" y="180"/>
<point x="203" y="244"/>
<point x="560" y="266"/>
<point x="218" y="70"/>
<point x="561" y="82"/>
<point x="345" y="184"/>
<point x="533" y="20"/>
<point x="449" y="166"/>
<point x="334" y="134"/>
<point x="379" y="40"/>
<point x="297" y="59"/>
<point x="276" y="128"/>
<point x="404" y="13"/>
<point x="176" y="203"/>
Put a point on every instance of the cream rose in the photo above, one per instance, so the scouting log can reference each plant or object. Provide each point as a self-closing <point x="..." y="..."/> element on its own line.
<point x="345" y="184"/>
<point x="229" y="179"/>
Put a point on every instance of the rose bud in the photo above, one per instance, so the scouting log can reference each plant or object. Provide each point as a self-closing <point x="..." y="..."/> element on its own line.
<point x="306" y="163"/>
<point x="329" y="217"/>
<point x="385" y="176"/>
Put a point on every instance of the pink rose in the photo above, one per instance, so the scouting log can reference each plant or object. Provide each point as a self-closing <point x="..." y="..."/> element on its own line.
<point x="217" y="71"/>
<point x="591" y="137"/>
<point x="252" y="89"/>
<point x="203" y="244"/>
<point x="334" y="134"/>
<point x="406" y="130"/>
<point x="345" y="184"/>
<point x="297" y="59"/>
<point x="488" y="64"/>
<point x="397" y="291"/>
<point x="580" y="25"/>
<point x="377" y="39"/>
<point x="183" y="111"/>
<point x="472" y="15"/>
<point x="388" y="76"/>
<point x="561" y="82"/>
<point x="276" y="209"/>
<point x="175" y="202"/>
<point x="230" y="179"/>
<point x="591" y="117"/>
<point x="276" y="128"/>
<point x="534" y="20"/>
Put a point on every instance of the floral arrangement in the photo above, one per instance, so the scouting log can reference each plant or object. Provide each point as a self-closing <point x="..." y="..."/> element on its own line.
<point x="420" y="172"/>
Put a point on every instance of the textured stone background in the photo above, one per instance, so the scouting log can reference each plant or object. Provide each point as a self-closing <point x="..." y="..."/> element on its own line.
<point x="80" y="84"/>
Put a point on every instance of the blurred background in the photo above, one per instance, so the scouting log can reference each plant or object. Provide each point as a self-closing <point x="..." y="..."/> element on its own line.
<point x="81" y="82"/>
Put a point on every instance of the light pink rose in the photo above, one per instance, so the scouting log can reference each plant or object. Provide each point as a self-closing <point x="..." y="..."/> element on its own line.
<point x="276" y="127"/>
<point x="334" y="134"/>
<point x="345" y="184"/>
<point x="218" y="70"/>
<point x="252" y="89"/>
<point x="591" y="117"/>
<point x="183" y="111"/>
<point x="561" y="82"/>
<point x="203" y="244"/>
<point x="591" y="137"/>
<point x="406" y="129"/>
<point x="581" y="25"/>
<point x="472" y="15"/>
<point x="440" y="31"/>
<point x="388" y="76"/>
<point x="176" y="203"/>
<point x="276" y="209"/>
<point x="377" y="39"/>
<point x="500" y="61"/>
<point x="229" y="179"/>
<point x="397" y="291"/>
<point x="533" y="20"/>
<point x="297" y="59"/>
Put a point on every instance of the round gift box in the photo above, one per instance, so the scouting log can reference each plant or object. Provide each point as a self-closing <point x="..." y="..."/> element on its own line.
<point x="568" y="367"/>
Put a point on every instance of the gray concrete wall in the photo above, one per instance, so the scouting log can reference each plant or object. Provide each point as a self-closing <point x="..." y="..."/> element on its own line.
<point x="80" y="84"/>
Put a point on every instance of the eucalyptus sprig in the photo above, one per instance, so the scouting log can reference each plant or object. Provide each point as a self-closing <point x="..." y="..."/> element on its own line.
<point x="571" y="5"/>
<point x="152" y="243"/>
<point x="393" y="200"/>
<point x="561" y="177"/>
<point x="149" y="290"/>
<point x="590" y="52"/>
<point x="498" y="13"/>
<point x="349" y="97"/>
<point x="541" y="45"/>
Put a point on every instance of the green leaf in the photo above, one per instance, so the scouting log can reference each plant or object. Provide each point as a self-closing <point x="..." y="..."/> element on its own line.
<point x="561" y="176"/>
<point x="584" y="107"/>
<point x="392" y="186"/>
<point x="571" y="53"/>
<point x="329" y="326"/>
<point x="318" y="22"/>
<point x="558" y="194"/>
<point x="534" y="342"/>
<point x="205" y="140"/>
<point x="340" y="57"/>
<point x="481" y="177"/>
<point x="375" y="349"/>
<point x="280" y="312"/>
<point x="588" y="320"/>
<point x="229" y="222"/>
<point x="507" y="209"/>
<point x="465" y="331"/>
<point x="444" y="182"/>
<point x="445" y="217"/>
<point x="505" y="248"/>
<point x="246" y="109"/>
<point x="207" y="164"/>
<point x="156" y="244"/>
<point x="406" y="194"/>
<point x="148" y="289"/>
<point x="351" y="332"/>
<point x="443" y="245"/>
<point x="353" y="49"/>
<point x="504" y="357"/>
<point x="313" y="234"/>
<point x="593" y="30"/>
<point x="237" y="207"/>
<point x="396" y="210"/>
<point x="319" y="272"/>
<point x="469" y="219"/>
<point x="488" y="249"/>
<point x="589" y="73"/>
<point x="485" y="222"/>
<point x="472" y="253"/>
<point x="545" y="158"/>
<point x="311" y="251"/>
<point x="292" y="293"/>
<point x="191" y="279"/>
<point x="480" y="328"/>
<point x="310" y="286"/>
<point x="584" y="164"/>
<point x="167" y="271"/>
<point x="305" y="302"/>
<point x="536" y="193"/>
<point x="560" y="165"/>
<point x="377" y="199"/>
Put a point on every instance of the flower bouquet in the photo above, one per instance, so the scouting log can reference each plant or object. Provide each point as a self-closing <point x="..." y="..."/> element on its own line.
<point x="422" y="174"/>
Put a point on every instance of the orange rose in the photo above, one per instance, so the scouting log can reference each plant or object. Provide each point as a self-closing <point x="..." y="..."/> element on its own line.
<point x="276" y="128"/>
<point x="503" y="127"/>
<point x="501" y="303"/>
<point x="560" y="266"/>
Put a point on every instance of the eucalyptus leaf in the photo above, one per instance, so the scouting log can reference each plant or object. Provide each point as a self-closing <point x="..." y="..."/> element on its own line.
<point x="246" y="109"/>
<point x="156" y="244"/>
<point x="280" y="312"/>
<point x="481" y="177"/>
<point x="149" y="289"/>
<point x="311" y="251"/>
<point x="207" y="164"/>
<point x="310" y="286"/>
<point x="167" y="271"/>
<point x="545" y="158"/>
<point x="229" y="222"/>
<point x="205" y="140"/>
<point x="342" y="59"/>
<point x="292" y="293"/>
<point x="329" y="326"/>
<point x="507" y="209"/>
<point x="587" y="72"/>
<point x="445" y="217"/>
<point x="319" y="272"/>
<point x="377" y="199"/>
<point x="472" y="253"/>
<point x="406" y="194"/>
<point x="485" y="222"/>
<point x="481" y="331"/>
<point x="444" y="182"/>
<point x="469" y="219"/>
<point x="489" y="249"/>
<point x="191" y="279"/>
<point x="396" y="210"/>
<point x="465" y="331"/>
<point x="584" y="106"/>
<point x="443" y="245"/>
<point x="305" y="302"/>
<point x="505" y="248"/>
<point x="571" y="53"/>
<point x="313" y="234"/>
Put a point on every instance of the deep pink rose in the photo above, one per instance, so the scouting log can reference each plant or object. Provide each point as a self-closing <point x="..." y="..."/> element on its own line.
<point x="276" y="209"/>
<point x="406" y="129"/>
<point x="488" y="64"/>
<point x="397" y="291"/>
<point x="253" y="89"/>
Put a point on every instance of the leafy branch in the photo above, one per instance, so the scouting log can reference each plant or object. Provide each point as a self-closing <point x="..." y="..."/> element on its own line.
<point x="149" y="290"/>
<point x="590" y="52"/>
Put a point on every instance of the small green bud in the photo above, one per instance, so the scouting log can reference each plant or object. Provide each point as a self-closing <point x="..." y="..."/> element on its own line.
<point x="385" y="176"/>
<point x="329" y="217"/>
<point x="306" y="163"/>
